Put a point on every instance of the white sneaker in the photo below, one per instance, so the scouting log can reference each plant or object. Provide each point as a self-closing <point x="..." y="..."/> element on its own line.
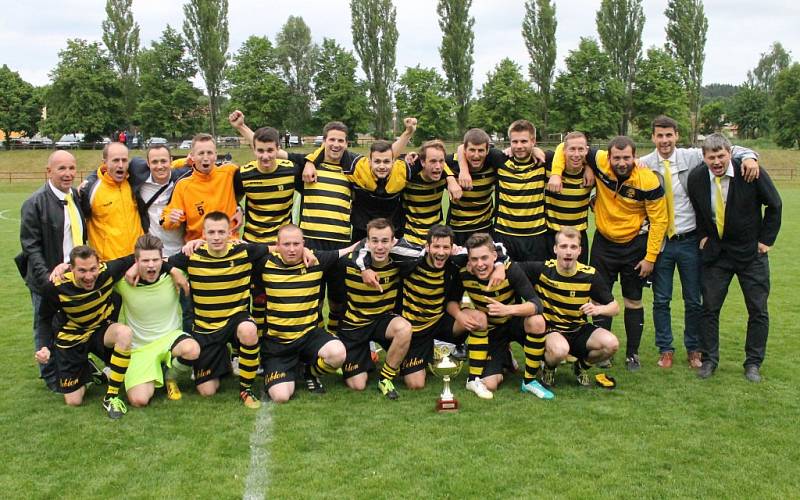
<point x="235" y="366"/>
<point x="480" y="390"/>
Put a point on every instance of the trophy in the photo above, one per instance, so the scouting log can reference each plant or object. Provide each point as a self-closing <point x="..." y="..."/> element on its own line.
<point x="443" y="366"/>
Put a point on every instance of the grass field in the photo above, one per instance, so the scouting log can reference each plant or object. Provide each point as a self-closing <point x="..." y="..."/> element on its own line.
<point x="660" y="434"/>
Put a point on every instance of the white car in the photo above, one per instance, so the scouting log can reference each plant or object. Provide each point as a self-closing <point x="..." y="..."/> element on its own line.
<point x="187" y="144"/>
<point x="70" y="141"/>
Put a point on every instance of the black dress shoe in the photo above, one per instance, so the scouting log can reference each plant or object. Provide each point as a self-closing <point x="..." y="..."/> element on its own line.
<point x="706" y="369"/>
<point x="752" y="374"/>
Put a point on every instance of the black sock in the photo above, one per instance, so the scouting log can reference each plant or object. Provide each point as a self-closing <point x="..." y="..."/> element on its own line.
<point x="634" y="324"/>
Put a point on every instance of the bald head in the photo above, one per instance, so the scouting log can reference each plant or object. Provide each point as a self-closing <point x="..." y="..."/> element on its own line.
<point x="61" y="170"/>
<point x="115" y="156"/>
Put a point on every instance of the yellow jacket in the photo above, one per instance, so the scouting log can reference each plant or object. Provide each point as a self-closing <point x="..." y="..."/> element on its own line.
<point x="113" y="223"/>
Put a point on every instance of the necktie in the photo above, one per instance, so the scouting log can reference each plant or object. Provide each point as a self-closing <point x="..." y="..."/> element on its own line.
<point x="670" y="200"/>
<point x="74" y="221"/>
<point x="719" y="207"/>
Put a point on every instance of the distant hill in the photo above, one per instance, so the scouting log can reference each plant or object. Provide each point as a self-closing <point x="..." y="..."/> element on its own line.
<point x="717" y="90"/>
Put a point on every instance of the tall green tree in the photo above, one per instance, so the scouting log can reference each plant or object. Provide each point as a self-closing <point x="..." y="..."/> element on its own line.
<point x="121" y="38"/>
<point x="658" y="90"/>
<point x="297" y="56"/>
<point x="539" y="32"/>
<point x="786" y="107"/>
<point x="620" y="24"/>
<point x="20" y="106"/>
<point x="422" y="93"/>
<point x="748" y="110"/>
<point x="769" y="65"/>
<point x="712" y="116"/>
<point x="686" y="40"/>
<point x="588" y="96"/>
<point x="85" y="94"/>
<point x="340" y="94"/>
<point x="504" y="97"/>
<point x="257" y="87"/>
<point x="458" y="45"/>
<point x="375" y="40"/>
<point x="206" y="30"/>
<point x="168" y="101"/>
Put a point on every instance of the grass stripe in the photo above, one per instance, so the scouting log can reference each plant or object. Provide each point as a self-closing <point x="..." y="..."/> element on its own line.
<point x="255" y="486"/>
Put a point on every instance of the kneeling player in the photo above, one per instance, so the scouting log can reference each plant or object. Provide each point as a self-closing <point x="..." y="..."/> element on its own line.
<point x="152" y="310"/>
<point x="571" y="291"/>
<point x="292" y="315"/>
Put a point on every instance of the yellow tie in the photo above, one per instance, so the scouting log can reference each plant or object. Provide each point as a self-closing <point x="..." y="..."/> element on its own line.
<point x="670" y="200"/>
<point x="74" y="221"/>
<point x="719" y="207"/>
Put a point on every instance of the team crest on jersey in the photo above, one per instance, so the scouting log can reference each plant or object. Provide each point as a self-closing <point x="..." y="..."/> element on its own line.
<point x="630" y="193"/>
<point x="280" y="187"/>
<point x="572" y="293"/>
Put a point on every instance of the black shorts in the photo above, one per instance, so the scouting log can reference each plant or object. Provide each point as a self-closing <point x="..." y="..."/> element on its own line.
<point x="612" y="259"/>
<point x="551" y="242"/>
<point x="356" y="342"/>
<point x="498" y="357"/>
<point x="333" y="278"/>
<point x="280" y="360"/>
<point x="523" y="248"/>
<point x="463" y="236"/>
<point x="214" y="360"/>
<point x="420" y="352"/>
<point x="577" y="339"/>
<point x="72" y="369"/>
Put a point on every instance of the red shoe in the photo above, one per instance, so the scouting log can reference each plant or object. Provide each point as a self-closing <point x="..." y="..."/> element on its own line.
<point x="694" y="358"/>
<point x="665" y="360"/>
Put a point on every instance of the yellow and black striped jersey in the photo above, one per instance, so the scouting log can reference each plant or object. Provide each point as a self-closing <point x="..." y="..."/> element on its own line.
<point x="220" y="285"/>
<point x="422" y="204"/>
<point x="563" y="295"/>
<point x="292" y="307"/>
<point x="474" y="211"/>
<point x="84" y="310"/>
<point x="424" y="295"/>
<point x="268" y="199"/>
<point x="326" y="205"/>
<point x="516" y="288"/>
<point x="520" y="198"/>
<point x="570" y="207"/>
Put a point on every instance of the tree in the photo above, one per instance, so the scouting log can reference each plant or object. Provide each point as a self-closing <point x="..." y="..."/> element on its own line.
<point x="769" y="65"/>
<point x="786" y="107"/>
<point x="658" y="90"/>
<point x="340" y="94"/>
<point x="85" y="94"/>
<point x="423" y="93"/>
<point x="686" y="40"/>
<point x="297" y="56"/>
<point x="504" y="97"/>
<point x="539" y="32"/>
<point x="206" y="32"/>
<point x="748" y="110"/>
<point x="620" y="24"/>
<point x="257" y="88"/>
<point x="168" y="101"/>
<point x="375" y="40"/>
<point x="458" y="45"/>
<point x="20" y="107"/>
<point x="588" y="96"/>
<point x="713" y="116"/>
<point x="121" y="37"/>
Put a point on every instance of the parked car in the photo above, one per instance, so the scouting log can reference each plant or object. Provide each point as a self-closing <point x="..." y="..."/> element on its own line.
<point x="318" y="140"/>
<point x="70" y="141"/>
<point x="154" y="141"/>
<point x="294" y="140"/>
<point x="186" y="144"/>
<point x="228" y="142"/>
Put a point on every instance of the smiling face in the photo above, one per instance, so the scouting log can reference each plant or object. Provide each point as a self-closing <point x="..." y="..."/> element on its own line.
<point x="438" y="251"/>
<point x="475" y="155"/>
<point x="481" y="261"/>
<point x="204" y="155"/>
<point x="665" y="139"/>
<point x="335" y="145"/>
<point x="61" y="170"/>
<point x="381" y="163"/>
<point x="290" y="245"/>
<point x="216" y="233"/>
<point x="522" y="144"/>
<point x="433" y="164"/>
<point x="567" y="251"/>
<point x="266" y="153"/>
<point x="85" y="271"/>
<point x="622" y="161"/>
<point x="117" y="162"/>
<point x="379" y="242"/>
<point x="149" y="264"/>
<point x="717" y="161"/>
<point x="159" y="161"/>
<point x="575" y="150"/>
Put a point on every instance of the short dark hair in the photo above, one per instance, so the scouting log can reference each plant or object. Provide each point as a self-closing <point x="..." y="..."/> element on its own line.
<point x="334" y="126"/>
<point x="380" y="146"/>
<point x="266" y="134"/>
<point x="663" y="121"/>
<point x="82" y="252"/>
<point x="379" y="223"/>
<point x="155" y="147"/>
<point x="477" y="136"/>
<point x="522" y="126"/>
<point x="440" y="231"/>
<point x="479" y="240"/>
<point x="621" y="142"/>
<point x="217" y="216"/>
<point x="435" y="144"/>
<point x="148" y="242"/>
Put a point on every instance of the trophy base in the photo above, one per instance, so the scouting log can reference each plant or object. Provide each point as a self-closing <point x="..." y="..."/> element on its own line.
<point x="447" y="406"/>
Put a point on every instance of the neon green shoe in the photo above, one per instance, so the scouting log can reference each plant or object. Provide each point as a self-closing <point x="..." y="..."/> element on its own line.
<point x="115" y="407"/>
<point x="387" y="389"/>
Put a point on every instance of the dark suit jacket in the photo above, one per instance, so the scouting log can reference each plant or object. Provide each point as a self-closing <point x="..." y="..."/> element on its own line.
<point x="41" y="234"/>
<point x="745" y="226"/>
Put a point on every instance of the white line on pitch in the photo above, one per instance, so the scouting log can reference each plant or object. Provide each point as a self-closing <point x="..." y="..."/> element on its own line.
<point x="255" y="486"/>
<point x="3" y="216"/>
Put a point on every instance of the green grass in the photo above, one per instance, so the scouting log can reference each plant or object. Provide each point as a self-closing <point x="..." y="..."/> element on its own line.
<point x="660" y="434"/>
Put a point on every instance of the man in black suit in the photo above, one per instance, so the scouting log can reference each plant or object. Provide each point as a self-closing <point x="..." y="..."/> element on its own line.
<point x="734" y="239"/>
<point x="51" y="224"/>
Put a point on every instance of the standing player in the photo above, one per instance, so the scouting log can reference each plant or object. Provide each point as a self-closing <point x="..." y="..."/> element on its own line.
<point x="571" y="291"/>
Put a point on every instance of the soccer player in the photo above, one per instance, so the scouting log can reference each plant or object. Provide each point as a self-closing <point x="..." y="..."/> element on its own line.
<point x="370" y="316"/>
<point x="734" y="239"/>
<point x="151" y="309"/>
<point x="219" y="273"/>
<point x="509" y="311"/>
<point x="292" y="315"/>
<point x="570" y="291"/>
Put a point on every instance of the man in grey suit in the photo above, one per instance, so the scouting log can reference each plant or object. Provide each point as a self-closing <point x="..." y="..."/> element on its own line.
<point x="680" y="247"/>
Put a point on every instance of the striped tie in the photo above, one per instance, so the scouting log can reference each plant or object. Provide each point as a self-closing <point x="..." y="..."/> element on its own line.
<point x="719" y="207"/>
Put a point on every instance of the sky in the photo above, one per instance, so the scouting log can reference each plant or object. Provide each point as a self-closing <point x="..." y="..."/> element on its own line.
<point x="32" y="34"/>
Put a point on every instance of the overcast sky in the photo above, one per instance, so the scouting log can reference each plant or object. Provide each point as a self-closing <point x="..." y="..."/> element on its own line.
<point x="32" y="33"/>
